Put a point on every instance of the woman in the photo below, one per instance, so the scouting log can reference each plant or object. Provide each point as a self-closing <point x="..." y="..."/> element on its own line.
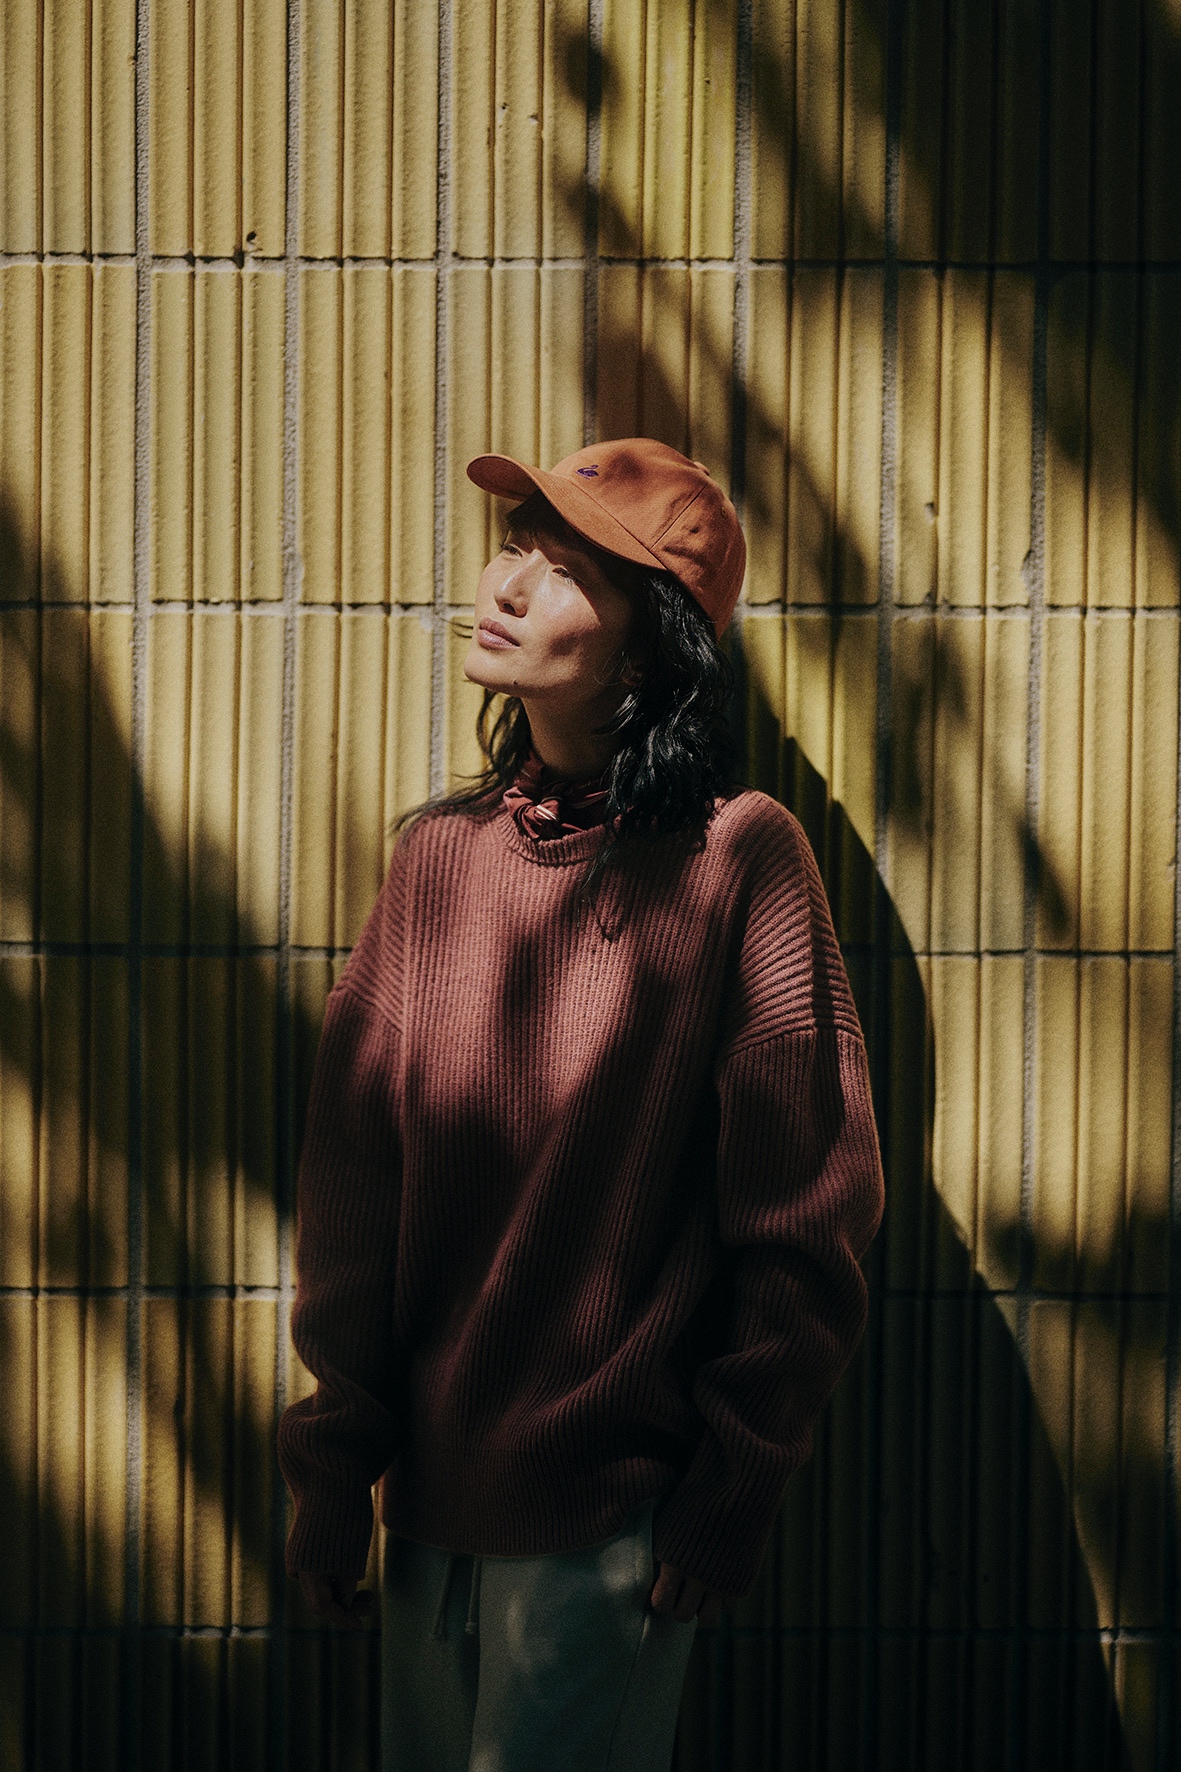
<point x="589" y="1163"/>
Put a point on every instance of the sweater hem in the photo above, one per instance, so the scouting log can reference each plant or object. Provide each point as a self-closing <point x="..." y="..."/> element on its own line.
<point x="573" y="1524"/>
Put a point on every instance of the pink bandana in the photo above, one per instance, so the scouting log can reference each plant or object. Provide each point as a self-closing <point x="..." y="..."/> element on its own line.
<point x="546" y="804"/>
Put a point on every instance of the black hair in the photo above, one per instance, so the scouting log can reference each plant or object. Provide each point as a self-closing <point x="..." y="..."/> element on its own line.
<point x="676" y="751"/>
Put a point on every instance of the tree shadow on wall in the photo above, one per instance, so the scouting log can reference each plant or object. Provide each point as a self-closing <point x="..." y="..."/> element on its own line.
<point x="979" y="86"/>
<point x="925" y="1600"/>
<point x="187" y="1673"/>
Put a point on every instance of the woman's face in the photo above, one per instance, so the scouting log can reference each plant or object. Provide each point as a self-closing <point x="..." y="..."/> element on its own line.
<point x="566" y="622"/>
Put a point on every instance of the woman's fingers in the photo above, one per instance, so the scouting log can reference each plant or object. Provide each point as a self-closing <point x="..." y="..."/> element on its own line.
<point x="667" y="1589"/>
<point x="684" y="1598"/>
<point x="316" y="1590"/>
<point x="336" y="1597"/>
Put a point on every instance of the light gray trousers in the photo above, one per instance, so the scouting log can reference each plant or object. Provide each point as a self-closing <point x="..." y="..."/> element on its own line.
<point x="529" y="1664"/>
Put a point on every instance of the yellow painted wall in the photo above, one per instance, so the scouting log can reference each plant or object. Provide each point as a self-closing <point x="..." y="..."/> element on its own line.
<point x="907" y="275"/>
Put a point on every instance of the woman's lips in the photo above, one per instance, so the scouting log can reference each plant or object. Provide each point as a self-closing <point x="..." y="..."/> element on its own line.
<point x="497" y="642"/>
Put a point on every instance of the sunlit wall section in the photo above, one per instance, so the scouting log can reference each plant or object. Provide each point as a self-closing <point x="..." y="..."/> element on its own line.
<point x="906" y="276"/>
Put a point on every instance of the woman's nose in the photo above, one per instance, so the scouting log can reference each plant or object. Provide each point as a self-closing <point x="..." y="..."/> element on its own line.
<point x="517" y="583"/>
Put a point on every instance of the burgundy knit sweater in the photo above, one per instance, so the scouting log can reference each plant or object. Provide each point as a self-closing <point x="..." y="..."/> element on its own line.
<point x="581" y="1199"/>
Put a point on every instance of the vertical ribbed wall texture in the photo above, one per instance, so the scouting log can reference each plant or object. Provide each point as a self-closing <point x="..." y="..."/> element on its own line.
<point x="907" y="275"/>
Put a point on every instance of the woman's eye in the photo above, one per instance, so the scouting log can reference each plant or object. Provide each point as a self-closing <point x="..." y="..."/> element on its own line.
<point x="564" y="572"/>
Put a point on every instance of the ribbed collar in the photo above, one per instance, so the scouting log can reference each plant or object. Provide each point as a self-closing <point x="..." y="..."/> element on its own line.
<point x="551" y="852"/>
<point x="543" y="811"/>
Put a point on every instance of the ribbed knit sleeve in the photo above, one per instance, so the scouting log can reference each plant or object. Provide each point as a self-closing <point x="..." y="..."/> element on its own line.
<point x="799" y="1196"/>
<point x="335" y="1444"/>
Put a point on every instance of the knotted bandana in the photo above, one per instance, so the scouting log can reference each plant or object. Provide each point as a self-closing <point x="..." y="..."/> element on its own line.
<point x="546" y="804"/>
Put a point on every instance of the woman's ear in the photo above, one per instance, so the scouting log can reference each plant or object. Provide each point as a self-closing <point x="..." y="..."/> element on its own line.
<point x="632" y="665"/>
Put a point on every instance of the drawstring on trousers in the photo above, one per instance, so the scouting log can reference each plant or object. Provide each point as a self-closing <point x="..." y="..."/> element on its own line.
<point x="473" y="1604"/>
<point x="440" y="1625"/>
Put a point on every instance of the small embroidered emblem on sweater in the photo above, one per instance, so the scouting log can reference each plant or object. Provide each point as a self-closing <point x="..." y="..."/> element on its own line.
<point x="588" y="473"/>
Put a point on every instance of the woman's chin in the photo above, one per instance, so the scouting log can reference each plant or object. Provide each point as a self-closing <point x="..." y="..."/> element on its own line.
<point x="488" y="669"/>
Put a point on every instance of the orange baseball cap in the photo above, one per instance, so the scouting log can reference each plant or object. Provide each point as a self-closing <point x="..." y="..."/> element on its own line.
<point x="644" y="501"/>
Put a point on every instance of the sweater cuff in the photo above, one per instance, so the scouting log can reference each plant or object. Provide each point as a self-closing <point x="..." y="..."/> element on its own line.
<point x="717" y="1530"/>
<point x="332" y="1531"/>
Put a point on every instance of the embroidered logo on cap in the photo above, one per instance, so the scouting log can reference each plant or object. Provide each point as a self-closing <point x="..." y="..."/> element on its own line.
<point x="588" y="473"/>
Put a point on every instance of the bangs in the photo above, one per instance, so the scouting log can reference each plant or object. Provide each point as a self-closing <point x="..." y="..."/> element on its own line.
<point x="536" y="518"/>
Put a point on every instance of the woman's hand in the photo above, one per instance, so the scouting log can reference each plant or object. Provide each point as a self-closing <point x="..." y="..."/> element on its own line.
<point x="336" y="1597"/>
<point x="683" y="1598"/>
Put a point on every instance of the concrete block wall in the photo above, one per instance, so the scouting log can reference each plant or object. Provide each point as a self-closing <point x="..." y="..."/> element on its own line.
<point x="906" y="274"/>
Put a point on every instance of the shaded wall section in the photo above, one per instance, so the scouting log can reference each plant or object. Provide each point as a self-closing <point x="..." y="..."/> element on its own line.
<point x="907" y="276"/>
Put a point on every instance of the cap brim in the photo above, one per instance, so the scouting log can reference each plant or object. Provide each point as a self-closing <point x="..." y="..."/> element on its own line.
<point x="506" y="478"/>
